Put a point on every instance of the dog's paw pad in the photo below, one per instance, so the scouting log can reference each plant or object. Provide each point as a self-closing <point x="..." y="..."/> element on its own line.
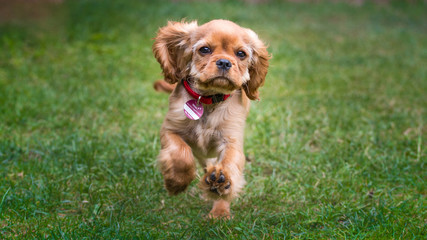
<point x="217" y="181"/>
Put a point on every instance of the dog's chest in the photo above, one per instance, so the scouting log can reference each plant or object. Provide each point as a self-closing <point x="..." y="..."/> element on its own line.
<point x="205" y="134"/>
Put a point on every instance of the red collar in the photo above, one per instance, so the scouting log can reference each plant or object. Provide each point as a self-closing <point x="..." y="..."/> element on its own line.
<point x="212" y="99"/>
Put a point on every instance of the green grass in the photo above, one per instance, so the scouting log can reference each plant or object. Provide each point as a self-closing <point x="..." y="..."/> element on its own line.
<point x="338" y="141"/>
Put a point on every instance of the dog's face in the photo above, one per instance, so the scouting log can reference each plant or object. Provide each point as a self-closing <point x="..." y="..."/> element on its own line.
<point x="219" y="56"/>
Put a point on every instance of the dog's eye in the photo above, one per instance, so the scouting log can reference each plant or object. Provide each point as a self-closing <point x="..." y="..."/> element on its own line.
<point x="241" y="54"/>
<point x="205" y="50"/>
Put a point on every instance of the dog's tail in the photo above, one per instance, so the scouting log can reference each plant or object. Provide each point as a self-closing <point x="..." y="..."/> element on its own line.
<point x="163" y="86"/>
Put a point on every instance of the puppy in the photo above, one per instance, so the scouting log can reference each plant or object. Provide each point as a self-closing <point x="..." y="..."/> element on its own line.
<point x="213" y="70"/>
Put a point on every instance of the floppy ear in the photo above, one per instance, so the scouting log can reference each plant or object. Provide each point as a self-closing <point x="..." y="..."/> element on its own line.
<point x="172" y="49"/>
<point x="258" y="68"/>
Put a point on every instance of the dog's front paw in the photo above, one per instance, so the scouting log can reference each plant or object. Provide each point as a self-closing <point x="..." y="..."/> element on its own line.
<point x="174" y="186"/>
<point x="216" y="182"/>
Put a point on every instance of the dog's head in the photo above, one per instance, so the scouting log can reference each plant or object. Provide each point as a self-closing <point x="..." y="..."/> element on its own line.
<point x="220" y="56"/>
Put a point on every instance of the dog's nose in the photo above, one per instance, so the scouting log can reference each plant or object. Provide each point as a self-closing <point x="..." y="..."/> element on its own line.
<point x="223" y="64"/>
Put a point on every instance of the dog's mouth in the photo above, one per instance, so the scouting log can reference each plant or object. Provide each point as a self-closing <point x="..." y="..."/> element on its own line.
<point x="220" y="84"/>
<point x="220" y="80"/>
<point x="217" y="84"/>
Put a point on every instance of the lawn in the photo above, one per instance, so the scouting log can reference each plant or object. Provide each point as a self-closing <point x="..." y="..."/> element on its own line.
<point x="337" y="144"/>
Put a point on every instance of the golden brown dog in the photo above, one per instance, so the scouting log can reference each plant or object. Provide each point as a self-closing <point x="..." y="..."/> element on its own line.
<point x="214" y="68"/>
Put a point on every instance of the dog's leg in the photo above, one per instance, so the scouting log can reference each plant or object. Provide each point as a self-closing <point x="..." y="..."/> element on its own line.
<point x="224" y="179"/>
<point x="176" y="162"/>
<point x="220" y="209"/>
